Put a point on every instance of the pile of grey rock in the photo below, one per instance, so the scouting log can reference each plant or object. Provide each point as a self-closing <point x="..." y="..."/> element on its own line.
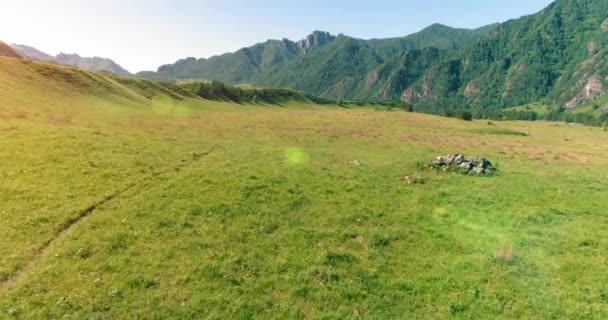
<point x="468" y="165"/>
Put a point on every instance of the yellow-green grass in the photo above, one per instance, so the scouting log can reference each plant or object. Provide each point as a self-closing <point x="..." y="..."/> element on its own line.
<point x="277" y="221"/>
<point x="537" y="107"/>
<point x="594" y="108"/>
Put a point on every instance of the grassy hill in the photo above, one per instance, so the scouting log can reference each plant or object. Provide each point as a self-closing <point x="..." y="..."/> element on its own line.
<point x="128" y="198"/>
<point x="33" y="84"/>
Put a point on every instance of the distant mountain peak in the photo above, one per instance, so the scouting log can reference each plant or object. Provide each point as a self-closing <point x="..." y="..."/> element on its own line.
<point x="443" y="27"/>
<point x="71" y="55"/>
<point x="32" y="52"/>
<point x="438" y="25"/>
<point x="72" y="59"/>
<point x="316" y="39"/>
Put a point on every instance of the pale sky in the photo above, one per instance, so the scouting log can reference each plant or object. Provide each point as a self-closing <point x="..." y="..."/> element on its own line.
<point x="144" y="34"/>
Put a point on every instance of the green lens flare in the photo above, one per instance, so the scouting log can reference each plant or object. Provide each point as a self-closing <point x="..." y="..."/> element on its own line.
<point x="296" y="156"/>
<point x="162" y="105"/>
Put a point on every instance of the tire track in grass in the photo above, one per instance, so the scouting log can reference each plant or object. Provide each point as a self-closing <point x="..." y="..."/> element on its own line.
<point x="65" y="227"/>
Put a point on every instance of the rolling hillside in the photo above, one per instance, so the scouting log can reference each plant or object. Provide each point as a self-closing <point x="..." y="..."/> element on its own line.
<point x="26" y="83"/>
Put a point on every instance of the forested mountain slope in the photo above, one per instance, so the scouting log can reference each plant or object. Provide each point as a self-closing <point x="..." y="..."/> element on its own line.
<point x="557" y="56"/>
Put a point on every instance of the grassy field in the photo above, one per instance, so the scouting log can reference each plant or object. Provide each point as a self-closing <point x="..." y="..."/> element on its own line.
<point x="114" y="206"/>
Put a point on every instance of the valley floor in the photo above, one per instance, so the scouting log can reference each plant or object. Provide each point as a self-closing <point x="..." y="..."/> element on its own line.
<point x="261" y="212"/>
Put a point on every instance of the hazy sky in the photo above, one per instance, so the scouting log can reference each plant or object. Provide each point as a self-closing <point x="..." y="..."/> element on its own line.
<point x="144" y="34"/>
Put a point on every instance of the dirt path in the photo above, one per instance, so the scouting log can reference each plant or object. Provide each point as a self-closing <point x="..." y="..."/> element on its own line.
<point x="66" y="226"/>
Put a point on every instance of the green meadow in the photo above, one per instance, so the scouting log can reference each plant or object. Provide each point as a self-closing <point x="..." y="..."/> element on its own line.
<point x="133" y="202"/>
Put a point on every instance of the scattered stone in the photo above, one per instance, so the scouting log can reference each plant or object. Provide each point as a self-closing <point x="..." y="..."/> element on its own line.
<point x="468" y="165"/>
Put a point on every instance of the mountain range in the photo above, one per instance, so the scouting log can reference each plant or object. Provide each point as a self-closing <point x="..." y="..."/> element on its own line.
<point x="325" y="59"/>
<point x="93" y="64"/>
<point x="557" y="56"/>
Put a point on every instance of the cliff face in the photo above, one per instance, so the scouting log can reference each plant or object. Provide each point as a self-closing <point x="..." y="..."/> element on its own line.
<point x="315" y="40"/>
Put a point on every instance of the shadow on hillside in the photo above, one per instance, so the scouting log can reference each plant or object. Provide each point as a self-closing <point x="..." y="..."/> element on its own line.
<point x="218" y="91"/>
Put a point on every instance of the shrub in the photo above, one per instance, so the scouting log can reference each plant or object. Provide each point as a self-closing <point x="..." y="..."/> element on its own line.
<point x="457" y="308"/>
<point x="335" y="259"/>
<point x="500" y="131"/>
<point x="464" y="115"/>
